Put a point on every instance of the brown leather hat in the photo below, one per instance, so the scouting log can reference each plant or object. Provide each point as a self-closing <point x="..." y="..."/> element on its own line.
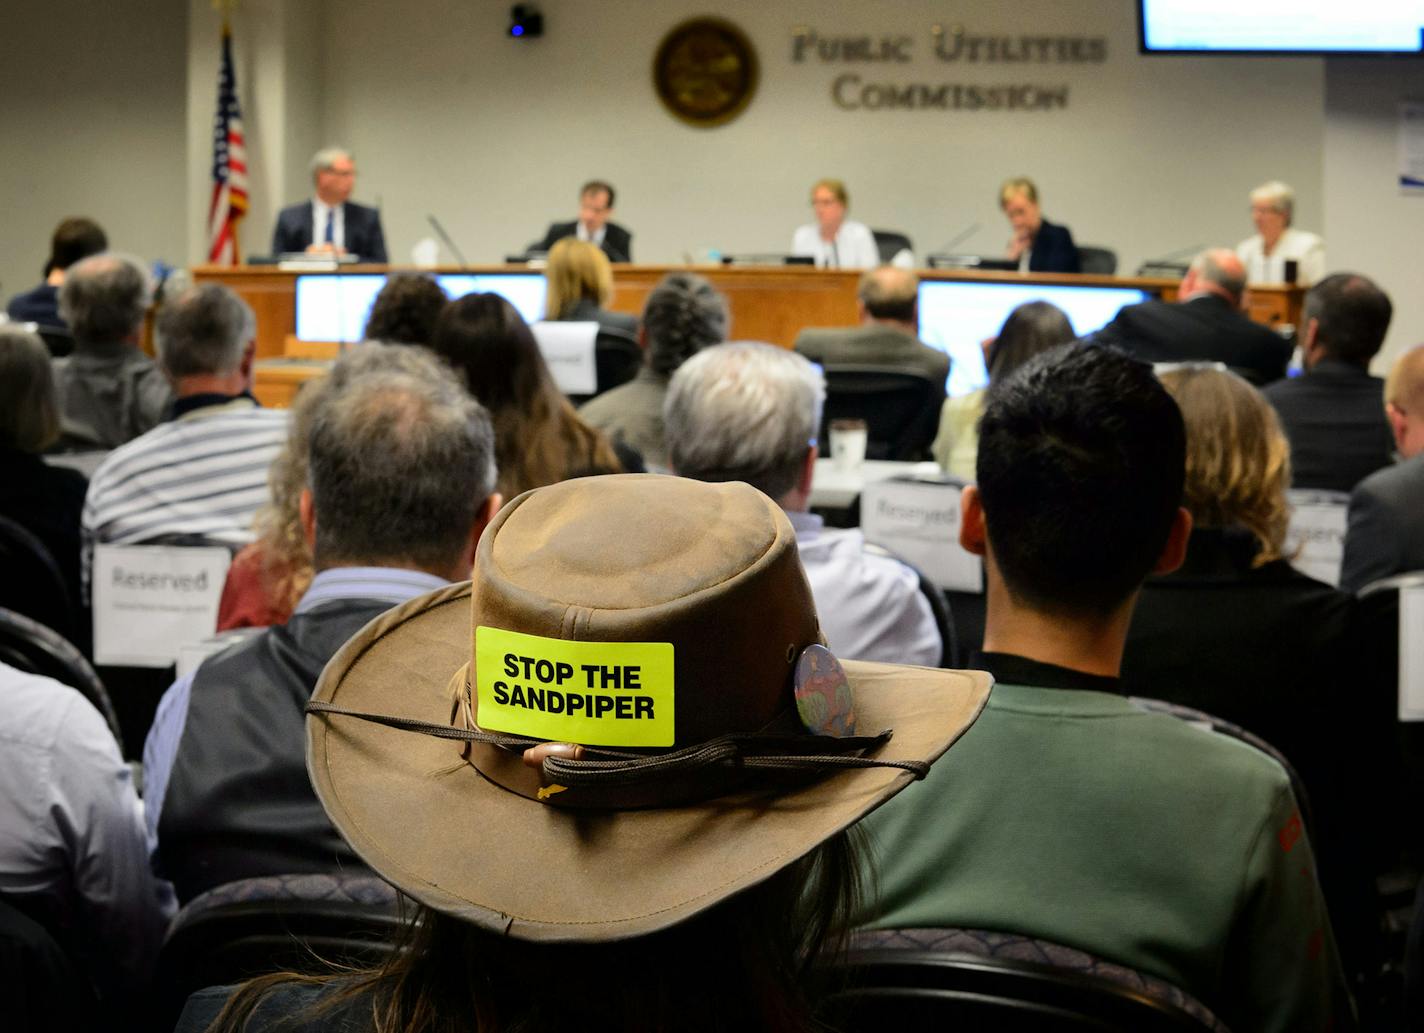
<point x="664" y="629"/>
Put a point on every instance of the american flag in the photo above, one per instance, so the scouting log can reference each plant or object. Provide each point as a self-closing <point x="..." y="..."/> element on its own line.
<point x="229" y="166"/>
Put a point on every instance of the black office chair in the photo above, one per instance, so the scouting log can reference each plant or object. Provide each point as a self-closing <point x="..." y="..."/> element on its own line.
<point x="939" y="606"/>
<point x="913" y="980"/>
<point x="1099" y="260"/>
<point x="889" y="244"/>
<point x="274" y="923"/>
<point x="900" y="408"/>
<point x="616" y="358"/>
<point x="42" y="987"/>
<point x="27" y="645"/>
<point x="31" y="583"/>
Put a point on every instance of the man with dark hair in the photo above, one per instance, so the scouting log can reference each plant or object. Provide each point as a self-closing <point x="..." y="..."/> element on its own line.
<point x="683" y="314"/>
<point x="1067" y="813"/>
<point x="593" y="225"/>
<point x="74" y="240"/>
<point x="202" y="473"/>
<point x="888" y="334"/>
<point x="400" y="485"/>
<point x="405" y="310"/>
<point x="1205" y="324"/>
<point x="1334" y="412"/>
<point x="109" y="391"/>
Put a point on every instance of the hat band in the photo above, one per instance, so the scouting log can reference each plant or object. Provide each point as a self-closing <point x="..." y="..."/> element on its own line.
<point x="617" y="780"/>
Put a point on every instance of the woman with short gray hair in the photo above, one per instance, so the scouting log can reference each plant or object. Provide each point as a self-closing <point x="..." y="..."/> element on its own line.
<point x="1277" y="245"/>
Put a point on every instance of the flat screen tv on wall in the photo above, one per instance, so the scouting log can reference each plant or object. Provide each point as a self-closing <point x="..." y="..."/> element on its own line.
<point x="1281" y="27"/>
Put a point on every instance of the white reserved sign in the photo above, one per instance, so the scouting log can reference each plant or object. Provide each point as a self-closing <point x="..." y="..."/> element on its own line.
<point x="919" y="520"/>
<point x="151" y="601"/>
<point x="1411" y="653"/>
<point x="568" y="349"/>
<point x="1317" y="530"/>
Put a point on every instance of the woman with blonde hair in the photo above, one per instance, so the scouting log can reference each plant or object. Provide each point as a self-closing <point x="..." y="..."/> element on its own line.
<point x="539" y="439"/>
<point x="580" y="282"/>
<point x="1239" y="633"/>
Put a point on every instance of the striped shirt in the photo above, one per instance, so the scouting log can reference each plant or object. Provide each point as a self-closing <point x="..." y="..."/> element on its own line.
<point x="202" y="474"/>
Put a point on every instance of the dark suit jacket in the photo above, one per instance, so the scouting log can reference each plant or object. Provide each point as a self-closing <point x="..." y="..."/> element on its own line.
<point x="40" y="305"/>
<point x="873" y="344"/>
<point x="1205" y="328"/>
<point x="617" y="242"/>
<point x="1385" y="534"/>
<point x="1053" y="250"/>
<point x="363" y="231"/>
<point x="1334" y="417"/>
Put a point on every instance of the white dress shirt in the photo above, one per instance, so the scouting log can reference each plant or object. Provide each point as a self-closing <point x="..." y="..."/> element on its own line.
<point x="1295" y="245"/>
<point x="321" y="212"/>
<point x="71" y="829"/>
<point x="853" y="248"/>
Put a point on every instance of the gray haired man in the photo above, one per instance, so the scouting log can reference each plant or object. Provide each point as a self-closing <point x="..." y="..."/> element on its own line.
<point x="750" y="412"/>
<point x="109" y="391"/>
<point x="202" y="474"/>
<point x="400" y="486"/>
<point x="330" y="223"/>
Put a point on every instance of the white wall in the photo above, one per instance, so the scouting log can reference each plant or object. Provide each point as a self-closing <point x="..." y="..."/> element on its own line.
<point x="494" y="136"/>
<point x="1370" y="225"/>
<point x="92" y="122"/>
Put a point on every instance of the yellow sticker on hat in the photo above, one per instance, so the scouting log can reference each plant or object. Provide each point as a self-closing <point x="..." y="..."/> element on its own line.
<point x="591" y="693"/>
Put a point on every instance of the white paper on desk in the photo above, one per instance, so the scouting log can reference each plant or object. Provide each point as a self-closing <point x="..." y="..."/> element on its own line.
<point x="920" y="521"/>
<point x="1315" y="539"/>
<point x="568" y="348"/>
<point x="1411" y="653"/>
<point x="150" y="601"/>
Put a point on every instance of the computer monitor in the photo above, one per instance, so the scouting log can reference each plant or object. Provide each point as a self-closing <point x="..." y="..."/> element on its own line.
<point x="336" y="307"/>
<point x="956" y="317"/>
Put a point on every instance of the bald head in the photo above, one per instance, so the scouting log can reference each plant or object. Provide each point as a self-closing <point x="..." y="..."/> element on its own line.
<point x="888" y="294"/>
<point x="1217" y="271"/>
<point x="1404" y="401"/>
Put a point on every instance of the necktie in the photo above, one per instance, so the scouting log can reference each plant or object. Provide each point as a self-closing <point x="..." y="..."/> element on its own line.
<point x="331" y="225"/>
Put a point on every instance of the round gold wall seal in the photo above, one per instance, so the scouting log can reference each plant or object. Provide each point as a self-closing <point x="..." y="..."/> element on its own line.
<point x="705" y="71"/>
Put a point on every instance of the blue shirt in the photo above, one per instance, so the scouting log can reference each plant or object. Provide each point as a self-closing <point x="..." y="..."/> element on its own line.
<point x="160" y="749"/>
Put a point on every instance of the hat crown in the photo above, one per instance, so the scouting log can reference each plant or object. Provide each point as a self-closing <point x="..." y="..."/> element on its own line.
<point x="711" y="569"/>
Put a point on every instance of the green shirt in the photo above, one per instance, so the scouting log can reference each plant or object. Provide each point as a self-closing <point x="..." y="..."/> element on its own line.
<point x="1072" y="816"/>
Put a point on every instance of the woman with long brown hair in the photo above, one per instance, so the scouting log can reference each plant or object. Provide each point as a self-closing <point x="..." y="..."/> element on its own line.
<point x="539" y="439"/>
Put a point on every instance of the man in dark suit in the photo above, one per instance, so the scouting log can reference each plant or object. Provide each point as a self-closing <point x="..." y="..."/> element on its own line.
<point x="1038" y="245"/>
<point x="1334" y="413"/>
<point x="329" y="223"/>
<point x="888" y="334"/>
<point x="1385" y="534"/>
<point x="592" y="225"/>
<point x="1204" y="324"/>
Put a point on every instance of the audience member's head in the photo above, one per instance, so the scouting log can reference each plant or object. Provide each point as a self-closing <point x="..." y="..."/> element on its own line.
<point x="29" y="410"/>
<point x="683" y="314"/>
<point x="539" y="438"/>
<point x="1404" y="401"/>
<point x="333" y="173"/>
<point x="405" y="310"/>
<point x="1238" y="458"/>
<point x="1032" y="328"/>
<point x="207" y="332"/>
<point x="1215" y="271"/>
<point x="888" y="294"/>
<point x="746" y="412"/>
<point x="1080" y="467"/>
<point x="401" y="466"/>
<point x="1346" y="316"/>
<point x="104" y="298"/>
<point x="74" y="240"/>
<point x="577" y="271"/>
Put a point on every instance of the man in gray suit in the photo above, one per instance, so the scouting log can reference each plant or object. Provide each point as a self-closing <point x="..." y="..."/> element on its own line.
<point x="888" y="334"/>
<point x="1385" y="534"/>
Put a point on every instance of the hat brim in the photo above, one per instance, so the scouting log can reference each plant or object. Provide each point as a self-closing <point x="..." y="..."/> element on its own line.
<point x="435" y="828"/>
